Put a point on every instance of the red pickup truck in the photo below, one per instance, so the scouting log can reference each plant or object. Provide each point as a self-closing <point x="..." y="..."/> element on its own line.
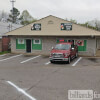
<point x="63" y="52"/>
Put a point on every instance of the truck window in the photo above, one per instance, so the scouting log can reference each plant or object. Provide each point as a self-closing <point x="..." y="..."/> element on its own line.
<point x="62" y="47"/>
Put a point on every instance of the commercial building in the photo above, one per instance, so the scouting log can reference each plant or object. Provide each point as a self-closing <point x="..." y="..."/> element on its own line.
<point x="45" y="33"/>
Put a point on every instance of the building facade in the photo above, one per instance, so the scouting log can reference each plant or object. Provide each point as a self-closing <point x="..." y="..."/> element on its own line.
<point x="45" y="33"/>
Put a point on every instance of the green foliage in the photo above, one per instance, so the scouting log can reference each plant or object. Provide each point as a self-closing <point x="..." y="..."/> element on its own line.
<point x="26" y="18"/>
<point x="27" y="22"/>
<point x="94" y="26"/>
<point x="4" y="52"/>
<point x="14" y="15"/>
<point x="73" y="21"/>
<point x="86" y="25"/>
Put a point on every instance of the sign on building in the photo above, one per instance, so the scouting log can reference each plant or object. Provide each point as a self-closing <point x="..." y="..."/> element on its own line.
<point x="79" y="42"/>
<point x="66" y="26"/>
<point x="36" y="27"/>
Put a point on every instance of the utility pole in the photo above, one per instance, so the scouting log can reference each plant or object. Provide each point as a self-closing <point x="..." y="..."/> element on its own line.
<point x="9" y="27"/>
<point x="13" y="1"/>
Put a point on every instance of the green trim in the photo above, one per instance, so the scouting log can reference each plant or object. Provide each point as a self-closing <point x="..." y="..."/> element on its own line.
<point x="83" y="48"/>
<point x="57" y="40"/>
<point x="20" y="46"/>
<point x="36" y="46"/>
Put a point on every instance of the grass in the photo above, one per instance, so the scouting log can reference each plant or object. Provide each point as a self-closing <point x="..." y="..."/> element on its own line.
<point x="1" y="53"/>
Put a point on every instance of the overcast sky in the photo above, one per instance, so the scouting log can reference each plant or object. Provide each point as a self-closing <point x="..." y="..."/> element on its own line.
<point x="81" y="10"/>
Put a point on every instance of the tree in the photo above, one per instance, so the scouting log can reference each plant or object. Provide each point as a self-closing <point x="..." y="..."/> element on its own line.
<point x="26" y="18"/>
<point x="73" y="21"/>
<point x="13" y="17"/>
<point x="94" y="24"/>
<point x="97" y="24"/>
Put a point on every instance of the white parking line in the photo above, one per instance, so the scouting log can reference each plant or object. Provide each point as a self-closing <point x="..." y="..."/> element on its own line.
<point x="11" y="57"/>
<point x="29" y="59"/>
<point x="3" y="55"/>
<point x="21" y="90"/>
<point x="77" y="61"/>
<point x="47" y="63"/>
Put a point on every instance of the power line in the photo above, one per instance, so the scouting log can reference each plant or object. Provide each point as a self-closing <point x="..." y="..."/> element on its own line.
<point x="13" y="1"/>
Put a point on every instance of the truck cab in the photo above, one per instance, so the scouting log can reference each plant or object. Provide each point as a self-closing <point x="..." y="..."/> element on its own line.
<point x="63" y="52"/>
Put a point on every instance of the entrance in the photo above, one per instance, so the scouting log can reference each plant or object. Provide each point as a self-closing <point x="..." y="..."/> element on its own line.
<point x="28" y="46"/>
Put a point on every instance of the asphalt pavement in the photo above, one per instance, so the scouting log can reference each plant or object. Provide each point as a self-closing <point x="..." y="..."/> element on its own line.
<point x="38" y="79"/>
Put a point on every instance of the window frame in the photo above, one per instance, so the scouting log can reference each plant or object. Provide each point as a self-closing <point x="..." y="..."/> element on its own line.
<point x="19" y="41"/>
<point x="35" y="40"/>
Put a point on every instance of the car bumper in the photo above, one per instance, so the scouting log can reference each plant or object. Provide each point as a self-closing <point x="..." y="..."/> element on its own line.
<point x="58" y="59"/>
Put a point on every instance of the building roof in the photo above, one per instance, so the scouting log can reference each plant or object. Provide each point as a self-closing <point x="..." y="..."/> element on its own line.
<point x="54" y="29"/>
<point x="4" y="27"/>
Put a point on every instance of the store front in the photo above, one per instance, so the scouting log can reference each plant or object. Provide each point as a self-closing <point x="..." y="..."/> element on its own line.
<point x="28" y="44"/>
<point x="45" y="33"/>
<point x="82" y="44"/>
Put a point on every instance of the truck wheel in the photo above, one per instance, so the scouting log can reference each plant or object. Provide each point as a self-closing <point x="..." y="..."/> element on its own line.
<point x="69" y="60"/>
<point x="76" y="55"/>
<point x="51" y="61"/>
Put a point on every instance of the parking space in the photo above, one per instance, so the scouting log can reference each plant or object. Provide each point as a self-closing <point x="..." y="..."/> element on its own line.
<point x="38" y="79"/>
<point x="39" y="60"/>
<point x="6" y="56"/>
<point x="89" y="61"/>
<point x="21" y="59"/>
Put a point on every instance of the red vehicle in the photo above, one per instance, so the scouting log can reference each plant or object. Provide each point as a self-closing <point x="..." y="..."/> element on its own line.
<point x="63" y="52"/>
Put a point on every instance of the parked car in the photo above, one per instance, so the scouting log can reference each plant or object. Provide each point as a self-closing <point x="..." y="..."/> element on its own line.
<point x="63" y="52"/>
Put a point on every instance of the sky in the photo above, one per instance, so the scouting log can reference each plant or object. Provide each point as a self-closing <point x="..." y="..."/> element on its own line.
<point x="80" y="10"/>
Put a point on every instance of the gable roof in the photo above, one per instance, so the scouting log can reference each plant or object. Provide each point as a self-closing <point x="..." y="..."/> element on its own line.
<point x="54" y="29"/>
<point x="4" y="27"/>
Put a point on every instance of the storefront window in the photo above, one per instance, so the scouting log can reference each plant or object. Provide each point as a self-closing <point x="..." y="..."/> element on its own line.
<point x="79" y="42"/>
<point x="72" y="41"/>
<point x="82" y="44"/>
<point x="37" y="41"/>
<point x="20" y="41"/>
<point x="37" y="44"/>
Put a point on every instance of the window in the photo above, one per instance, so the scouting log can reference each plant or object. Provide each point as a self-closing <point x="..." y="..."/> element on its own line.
<point x="82" y="45"/>
<point x="37" y="41"/>
<point x="71" y="41"/>
<point x="20" y="41"/>
<point x="62" y="47"/>
<point x="79" y="42"/>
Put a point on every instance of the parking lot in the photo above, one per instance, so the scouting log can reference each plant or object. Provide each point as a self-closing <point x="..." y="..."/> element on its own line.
<point x="28" y="77"/>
